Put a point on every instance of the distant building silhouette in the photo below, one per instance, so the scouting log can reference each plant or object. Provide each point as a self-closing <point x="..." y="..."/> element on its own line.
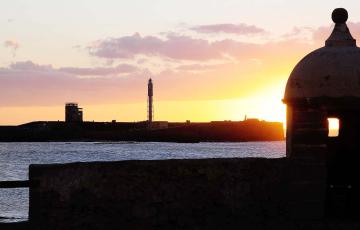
<point x="73" y="113"/>
<point x="150" y="108"/>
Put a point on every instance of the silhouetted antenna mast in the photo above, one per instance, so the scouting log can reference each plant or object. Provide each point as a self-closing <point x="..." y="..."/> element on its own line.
<point x="150" y="109"/>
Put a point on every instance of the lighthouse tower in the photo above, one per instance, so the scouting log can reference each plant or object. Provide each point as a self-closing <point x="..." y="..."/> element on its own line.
<point x="150" y="108"/>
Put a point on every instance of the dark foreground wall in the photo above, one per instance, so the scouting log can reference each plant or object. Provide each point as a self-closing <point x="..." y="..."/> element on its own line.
<point x="177" y="194"/>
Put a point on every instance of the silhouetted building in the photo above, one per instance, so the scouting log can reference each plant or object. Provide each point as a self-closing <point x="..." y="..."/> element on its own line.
<point x="326" y="84"/>
<point x="73" y="113"/>
<point x="159" y="125"/>
<point x="150" y="108"/>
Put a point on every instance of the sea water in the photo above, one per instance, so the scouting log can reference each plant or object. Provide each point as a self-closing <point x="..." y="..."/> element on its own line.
<point x="15" y="159"/>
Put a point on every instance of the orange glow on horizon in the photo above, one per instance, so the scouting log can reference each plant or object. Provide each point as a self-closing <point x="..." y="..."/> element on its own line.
<point x="264" y="103"/>
<point x="264" y="108"/>
<point x="260" y="99"/>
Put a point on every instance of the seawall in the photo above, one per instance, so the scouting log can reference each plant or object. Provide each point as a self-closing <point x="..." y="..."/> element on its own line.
<point x="179" y="194"/>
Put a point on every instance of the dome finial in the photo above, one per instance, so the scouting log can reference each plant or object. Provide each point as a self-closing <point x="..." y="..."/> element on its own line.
<point x="341" y="35"/>
<point x="339" y="15"/>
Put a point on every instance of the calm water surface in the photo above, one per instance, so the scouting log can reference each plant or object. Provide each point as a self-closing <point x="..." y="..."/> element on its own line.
<point x="15" y="159"/>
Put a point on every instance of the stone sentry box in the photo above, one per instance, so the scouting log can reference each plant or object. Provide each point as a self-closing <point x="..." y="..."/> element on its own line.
<point x="326" y="84"/>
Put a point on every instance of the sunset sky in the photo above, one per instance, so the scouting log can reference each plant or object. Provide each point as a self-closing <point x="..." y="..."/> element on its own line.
<point x="209" y="60"/>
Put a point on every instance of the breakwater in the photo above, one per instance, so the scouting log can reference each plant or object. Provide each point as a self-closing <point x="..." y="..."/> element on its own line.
<point x="249" y="130"/>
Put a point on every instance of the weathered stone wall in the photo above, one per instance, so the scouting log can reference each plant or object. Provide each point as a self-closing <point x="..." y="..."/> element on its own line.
<point x="177" y="194"/>
<point x="307" y="133"/>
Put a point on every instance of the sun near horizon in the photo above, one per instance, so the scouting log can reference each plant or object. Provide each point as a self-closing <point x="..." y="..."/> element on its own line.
<point x="230" y="61"/>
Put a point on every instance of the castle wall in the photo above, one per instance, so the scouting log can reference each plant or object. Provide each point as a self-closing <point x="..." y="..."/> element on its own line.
<point x="176" y="194"/>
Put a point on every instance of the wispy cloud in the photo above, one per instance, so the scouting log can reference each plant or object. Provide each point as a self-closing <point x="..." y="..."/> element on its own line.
<point x="13" y="45"/>
<point x="301" y="33"/>
<point x="199" y="67"/>
<point x="76" y="71"/>
<point x="203" y="68"/>
<point x="186" y="48"/>
<point x="100" y="71"/>
<point x="322" y="33"/>
<point x="28" y="83"/>
<point x="173" y="46"/>
<point x="238" y="29"/>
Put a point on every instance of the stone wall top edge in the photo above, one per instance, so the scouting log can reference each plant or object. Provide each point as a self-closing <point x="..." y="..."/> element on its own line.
<point x="205" y="161"/>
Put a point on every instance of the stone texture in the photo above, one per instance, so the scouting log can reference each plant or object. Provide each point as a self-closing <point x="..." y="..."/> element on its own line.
<point x="175" y="194"/>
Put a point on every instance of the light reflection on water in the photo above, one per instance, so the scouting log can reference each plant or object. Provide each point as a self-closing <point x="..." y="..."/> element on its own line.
<point x="15" y="159"/>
